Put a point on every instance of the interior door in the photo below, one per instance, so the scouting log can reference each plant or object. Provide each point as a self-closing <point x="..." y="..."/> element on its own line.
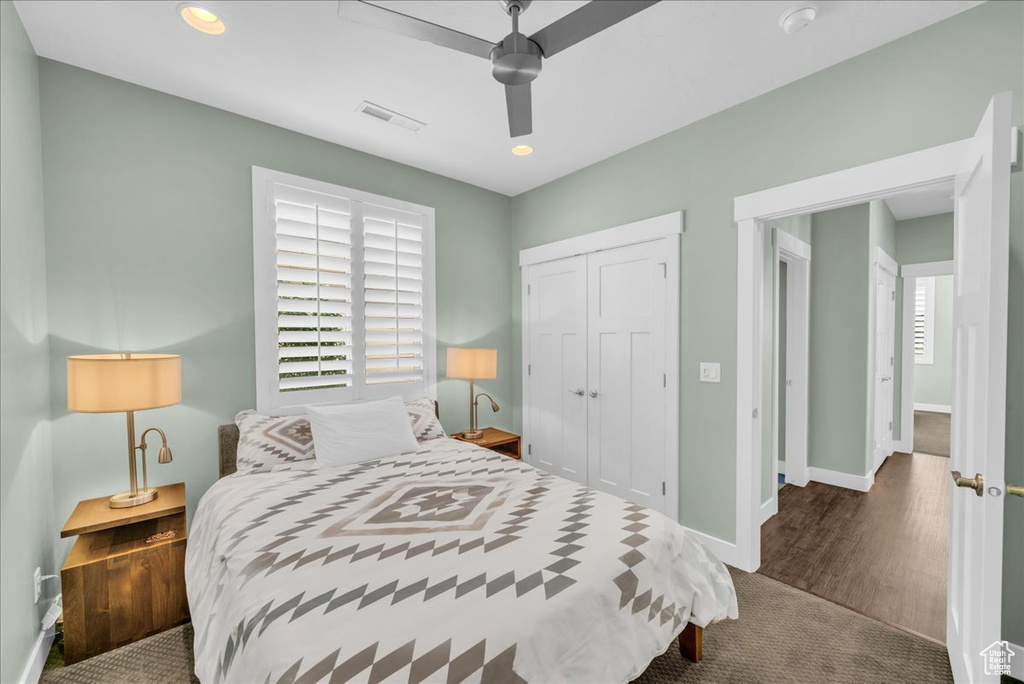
<point x="980" y="285"/>
<point x="885" y="354"/>
<point x="626" y="372"/>
<point x="557" y="292"/>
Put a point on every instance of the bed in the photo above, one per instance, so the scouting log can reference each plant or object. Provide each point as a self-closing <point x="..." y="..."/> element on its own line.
<point x="450" y="564"/>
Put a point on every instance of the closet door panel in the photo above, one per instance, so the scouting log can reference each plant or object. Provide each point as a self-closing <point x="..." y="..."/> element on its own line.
<point x="558" y="412"/>
<point x="626" y="353"/>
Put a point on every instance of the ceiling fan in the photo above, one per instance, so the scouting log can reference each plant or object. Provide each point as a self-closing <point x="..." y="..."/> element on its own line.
<point x="517" y="59"/>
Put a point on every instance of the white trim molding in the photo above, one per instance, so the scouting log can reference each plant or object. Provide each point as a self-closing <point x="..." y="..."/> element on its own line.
<point x="771" y="506"/>
<point x="931" y="268"/>
<point x="858" y="483"/>
<point x="33" y="669"/>
<point x="934" y="408"/>
<point x="886" y="262"/>
<point x="1017" y="662"/>
<point x="634" y="233"/>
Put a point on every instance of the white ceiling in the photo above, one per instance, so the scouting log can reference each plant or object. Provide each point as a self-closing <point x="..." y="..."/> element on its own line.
<point x="297" y="65"/>
<point x="929" y="201"/>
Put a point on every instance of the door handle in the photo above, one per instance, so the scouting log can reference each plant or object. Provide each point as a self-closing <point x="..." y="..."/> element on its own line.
<point x="1015" y="490"/>
<point x="977" y="483"/>
<point x="578" y="392"/>
<point x="593" y="393"/>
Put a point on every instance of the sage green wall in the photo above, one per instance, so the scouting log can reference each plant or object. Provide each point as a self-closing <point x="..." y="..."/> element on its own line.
<point x="26" y="495"/>
<point x="933" y="383"/>
<point x="935" y="84"/>
<point x="149" y="247"/>
<point x="838" y="388"/>
<point x="881" y="233"/>
<point x="918" y="241"/>
<point x="926" y="239"/>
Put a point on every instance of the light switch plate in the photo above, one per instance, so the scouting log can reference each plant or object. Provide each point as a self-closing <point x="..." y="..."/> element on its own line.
<point x="710" y="372"/>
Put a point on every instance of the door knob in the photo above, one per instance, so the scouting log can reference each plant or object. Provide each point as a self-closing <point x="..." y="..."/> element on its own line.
<point x="977" y="483"/>
<point x="578" y="392"/>
<point x="593" y="393"/>
<point x="1015" y="490"/>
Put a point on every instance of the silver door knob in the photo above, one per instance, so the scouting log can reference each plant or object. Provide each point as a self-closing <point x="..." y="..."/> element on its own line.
<point x="593" y="393"/>
<point x="578" y="392"/>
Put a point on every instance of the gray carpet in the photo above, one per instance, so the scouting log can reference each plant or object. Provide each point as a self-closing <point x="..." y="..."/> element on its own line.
<point x="783" y="635"/>
<point x="931" y="433"/>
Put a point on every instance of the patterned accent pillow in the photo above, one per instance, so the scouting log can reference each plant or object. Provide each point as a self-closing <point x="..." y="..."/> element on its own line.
<point x="425" y="424"/>
<point x="265" y="441"/>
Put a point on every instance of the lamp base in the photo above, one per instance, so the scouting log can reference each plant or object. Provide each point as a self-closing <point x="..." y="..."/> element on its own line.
<point x="472" y="434"/>
<point x="127" y="499"/>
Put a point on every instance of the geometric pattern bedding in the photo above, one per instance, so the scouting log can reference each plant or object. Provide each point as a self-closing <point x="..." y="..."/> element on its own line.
<point x="269" y="440"/>
<point x="451" y="564"/>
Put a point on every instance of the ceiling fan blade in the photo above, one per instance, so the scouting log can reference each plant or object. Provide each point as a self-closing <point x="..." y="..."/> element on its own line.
<point x="592" y="18"/>
<point x="520" y="110"/>
<point x="368" y="14"/>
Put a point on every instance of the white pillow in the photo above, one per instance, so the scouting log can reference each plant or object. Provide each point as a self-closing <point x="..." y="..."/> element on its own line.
<point x="351" y="433"/>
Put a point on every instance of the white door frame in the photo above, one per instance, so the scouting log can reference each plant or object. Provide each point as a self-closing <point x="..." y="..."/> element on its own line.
<point x="796" y="254"/>
<point x="668" y="227"/>
<point x="910" y="274"/>
<point x="885" y="263"/>
<point x="856" y="185"/>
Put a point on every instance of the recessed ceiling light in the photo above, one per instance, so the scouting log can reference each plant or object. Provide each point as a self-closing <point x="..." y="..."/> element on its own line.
<point x="796" y="18"/>
<point x="522" y="150"/>
<point x="201" y="19"/>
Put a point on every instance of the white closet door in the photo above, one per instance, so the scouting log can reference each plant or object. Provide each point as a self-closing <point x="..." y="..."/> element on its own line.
<point x="626" y="372"/>
<point x="558" y="367"/>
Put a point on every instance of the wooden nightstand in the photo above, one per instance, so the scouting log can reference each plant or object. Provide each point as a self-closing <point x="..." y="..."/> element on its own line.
<point x="125" y="577"/>
<point x="504" y="443"/>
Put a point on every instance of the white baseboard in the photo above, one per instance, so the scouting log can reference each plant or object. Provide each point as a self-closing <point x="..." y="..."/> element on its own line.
<point x="934" y="408"/>
<point x="1017" y="662"/>
<point x="902" y="447"/>
<point x="782" y="467"/>
<point x="859" y="483"/>
<point x="37" y="658"/>
<point x="770" y="507"/>
<point x="723" y="550"/>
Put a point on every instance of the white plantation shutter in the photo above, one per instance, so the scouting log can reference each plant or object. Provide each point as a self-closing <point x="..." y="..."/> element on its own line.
<point x="924" y="323"/>
<point x="393" y="289"/>
<point x="314" y="290"/>
<point x="343" y="293"/>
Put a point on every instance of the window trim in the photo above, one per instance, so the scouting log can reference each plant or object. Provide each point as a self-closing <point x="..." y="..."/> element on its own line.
<point x="927" y="358"/>
<point x="264" y="245"/>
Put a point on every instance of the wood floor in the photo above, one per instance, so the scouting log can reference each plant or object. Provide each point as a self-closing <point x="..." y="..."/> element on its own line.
<point x="882" y="553"/>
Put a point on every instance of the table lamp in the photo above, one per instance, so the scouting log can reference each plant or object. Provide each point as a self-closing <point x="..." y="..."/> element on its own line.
<point x="112" y="383"/>
<point x="473" y="364"/>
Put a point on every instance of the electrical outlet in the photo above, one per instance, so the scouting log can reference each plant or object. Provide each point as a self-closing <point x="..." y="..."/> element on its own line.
<point x="37" y="584"/>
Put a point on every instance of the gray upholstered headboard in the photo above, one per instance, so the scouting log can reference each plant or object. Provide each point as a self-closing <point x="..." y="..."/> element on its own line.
<point x="227" y="443"/>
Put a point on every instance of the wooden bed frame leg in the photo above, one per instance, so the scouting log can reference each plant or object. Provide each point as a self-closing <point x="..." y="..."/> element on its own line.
<point x="691" y="642"/>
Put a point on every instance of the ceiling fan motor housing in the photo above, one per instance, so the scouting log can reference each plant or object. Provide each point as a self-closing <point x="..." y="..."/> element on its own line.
<point x="515" y="60"/>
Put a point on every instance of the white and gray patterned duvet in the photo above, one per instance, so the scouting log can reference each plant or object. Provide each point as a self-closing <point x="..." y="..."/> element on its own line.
<point x="452" y="564"/>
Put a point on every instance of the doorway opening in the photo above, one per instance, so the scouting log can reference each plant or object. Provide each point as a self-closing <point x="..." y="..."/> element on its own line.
<point x="857" y="519"/>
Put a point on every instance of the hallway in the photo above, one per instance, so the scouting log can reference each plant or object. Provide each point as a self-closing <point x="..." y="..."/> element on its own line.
<point x="883" y="553"/>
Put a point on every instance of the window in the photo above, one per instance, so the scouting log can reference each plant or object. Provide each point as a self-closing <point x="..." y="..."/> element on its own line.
<point x="343" y="286"/>
<point x="924" y="320"/>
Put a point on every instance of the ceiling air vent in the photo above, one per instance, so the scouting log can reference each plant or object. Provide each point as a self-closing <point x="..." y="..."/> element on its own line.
<point x="388" y="116"/>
